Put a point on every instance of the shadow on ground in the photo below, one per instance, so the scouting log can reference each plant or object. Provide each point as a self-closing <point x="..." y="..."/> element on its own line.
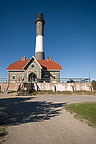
<point x="3" y="132"/>
<point x="15" y="111"/>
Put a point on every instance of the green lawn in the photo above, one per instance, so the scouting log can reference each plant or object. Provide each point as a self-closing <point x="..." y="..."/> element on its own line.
<point x="84" y="111"/>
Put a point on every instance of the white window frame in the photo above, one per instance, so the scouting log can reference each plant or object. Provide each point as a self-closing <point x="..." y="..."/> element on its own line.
<point x="13" y="80"/>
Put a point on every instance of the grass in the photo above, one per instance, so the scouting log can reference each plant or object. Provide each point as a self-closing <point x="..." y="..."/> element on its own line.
<point x="63" y="92"/>
<point x="41" y="92"/>
<point x="1" y="91"/>
<point x="8" y="92"/>
<point x="3" y="132"/>
<point x="85" y="111"/>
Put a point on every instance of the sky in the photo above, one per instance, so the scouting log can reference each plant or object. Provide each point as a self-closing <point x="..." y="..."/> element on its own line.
<point x="69" y="34"/>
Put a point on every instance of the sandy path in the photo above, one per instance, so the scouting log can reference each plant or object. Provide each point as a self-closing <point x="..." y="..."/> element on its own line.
<point x="63" y="129"/>
<point x="38" y="121"/>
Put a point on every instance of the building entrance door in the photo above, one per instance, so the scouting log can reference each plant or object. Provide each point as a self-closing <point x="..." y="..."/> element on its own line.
<point x="32" y="78"/>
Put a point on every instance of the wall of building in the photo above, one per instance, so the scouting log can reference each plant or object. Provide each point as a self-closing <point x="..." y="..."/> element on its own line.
<point x="36" y="70"/>
<point x="18" y="76"/>
<point x="54" y="76"/>
<point x="57" y="76"/>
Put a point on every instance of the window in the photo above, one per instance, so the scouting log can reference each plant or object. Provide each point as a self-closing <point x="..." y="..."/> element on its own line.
<point x="13" y="77"/>
<point x="54" y="76"/>
<point x="32" y="65"/>
<point x="46" y="76"/>
<point x="22" y="77"/>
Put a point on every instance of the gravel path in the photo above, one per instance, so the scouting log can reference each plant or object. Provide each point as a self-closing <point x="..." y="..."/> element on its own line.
<point x="43" y="120"/>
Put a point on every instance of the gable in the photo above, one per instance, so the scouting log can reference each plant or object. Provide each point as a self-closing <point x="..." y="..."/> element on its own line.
<point x="34" y="61"/>
<point x="32" y="65"/>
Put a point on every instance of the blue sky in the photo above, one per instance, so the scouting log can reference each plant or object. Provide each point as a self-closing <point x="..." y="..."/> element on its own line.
<point x="70" y="33"/>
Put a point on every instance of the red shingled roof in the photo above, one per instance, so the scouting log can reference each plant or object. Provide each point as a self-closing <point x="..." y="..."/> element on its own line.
<point x="18" y="65"/>
<point x="49" y="65"/>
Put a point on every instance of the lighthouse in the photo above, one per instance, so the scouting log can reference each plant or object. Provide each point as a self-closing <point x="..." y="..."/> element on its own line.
<point x="39" y="49"/>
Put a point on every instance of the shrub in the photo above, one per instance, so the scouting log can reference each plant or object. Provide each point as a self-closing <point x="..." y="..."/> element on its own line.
<point x="94" y="84"/>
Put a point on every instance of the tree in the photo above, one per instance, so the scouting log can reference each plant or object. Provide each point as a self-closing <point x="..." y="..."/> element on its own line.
<point x="70" y="81"/>
<point x="94" y="84"/>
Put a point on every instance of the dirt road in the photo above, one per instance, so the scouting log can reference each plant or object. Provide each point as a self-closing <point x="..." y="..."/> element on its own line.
<point x="43" y="120"/>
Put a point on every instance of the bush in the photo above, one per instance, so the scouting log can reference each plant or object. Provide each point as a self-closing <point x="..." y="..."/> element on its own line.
<point x="94" y="84"/>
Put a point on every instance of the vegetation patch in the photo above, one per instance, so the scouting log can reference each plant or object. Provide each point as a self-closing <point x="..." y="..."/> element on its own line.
<point x="85" y="111"/>
<point x="41" y="92"/>
<point x="9" y="92"/>
<point x="1" y="91"/>
<point x="63" y="92"/>
<point x="94" y="84"/>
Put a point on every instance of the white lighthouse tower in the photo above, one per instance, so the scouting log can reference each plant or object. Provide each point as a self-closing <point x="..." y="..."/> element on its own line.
<point x="39" y="50"/>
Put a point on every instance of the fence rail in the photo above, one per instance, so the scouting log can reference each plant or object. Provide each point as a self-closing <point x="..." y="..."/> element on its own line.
<point x="74" y="80"/>
<point x="3" y="80"/>
<point x="49" y="80"/>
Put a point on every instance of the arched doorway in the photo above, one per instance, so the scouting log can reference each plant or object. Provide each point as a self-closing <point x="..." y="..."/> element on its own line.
<point x="32" y="78"/>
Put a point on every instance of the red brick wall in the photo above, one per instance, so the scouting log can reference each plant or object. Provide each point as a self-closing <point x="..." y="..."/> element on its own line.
<point x="12" y="87"/>
<point x="50" y="86"/>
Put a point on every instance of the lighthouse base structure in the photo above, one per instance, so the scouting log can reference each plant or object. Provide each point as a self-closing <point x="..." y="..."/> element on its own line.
<point x="40" y="55"/>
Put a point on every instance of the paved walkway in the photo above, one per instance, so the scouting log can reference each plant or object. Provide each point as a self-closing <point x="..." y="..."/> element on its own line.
<point x="43" y="120"/>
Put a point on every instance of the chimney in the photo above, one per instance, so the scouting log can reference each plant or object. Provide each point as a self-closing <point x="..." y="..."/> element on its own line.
<point x="23" y="58"/>
<point x="39" y="50"/>
<point x="49" y="58"/>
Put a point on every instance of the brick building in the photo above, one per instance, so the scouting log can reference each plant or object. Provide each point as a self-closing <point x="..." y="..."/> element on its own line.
<point x="33" y="70"/>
